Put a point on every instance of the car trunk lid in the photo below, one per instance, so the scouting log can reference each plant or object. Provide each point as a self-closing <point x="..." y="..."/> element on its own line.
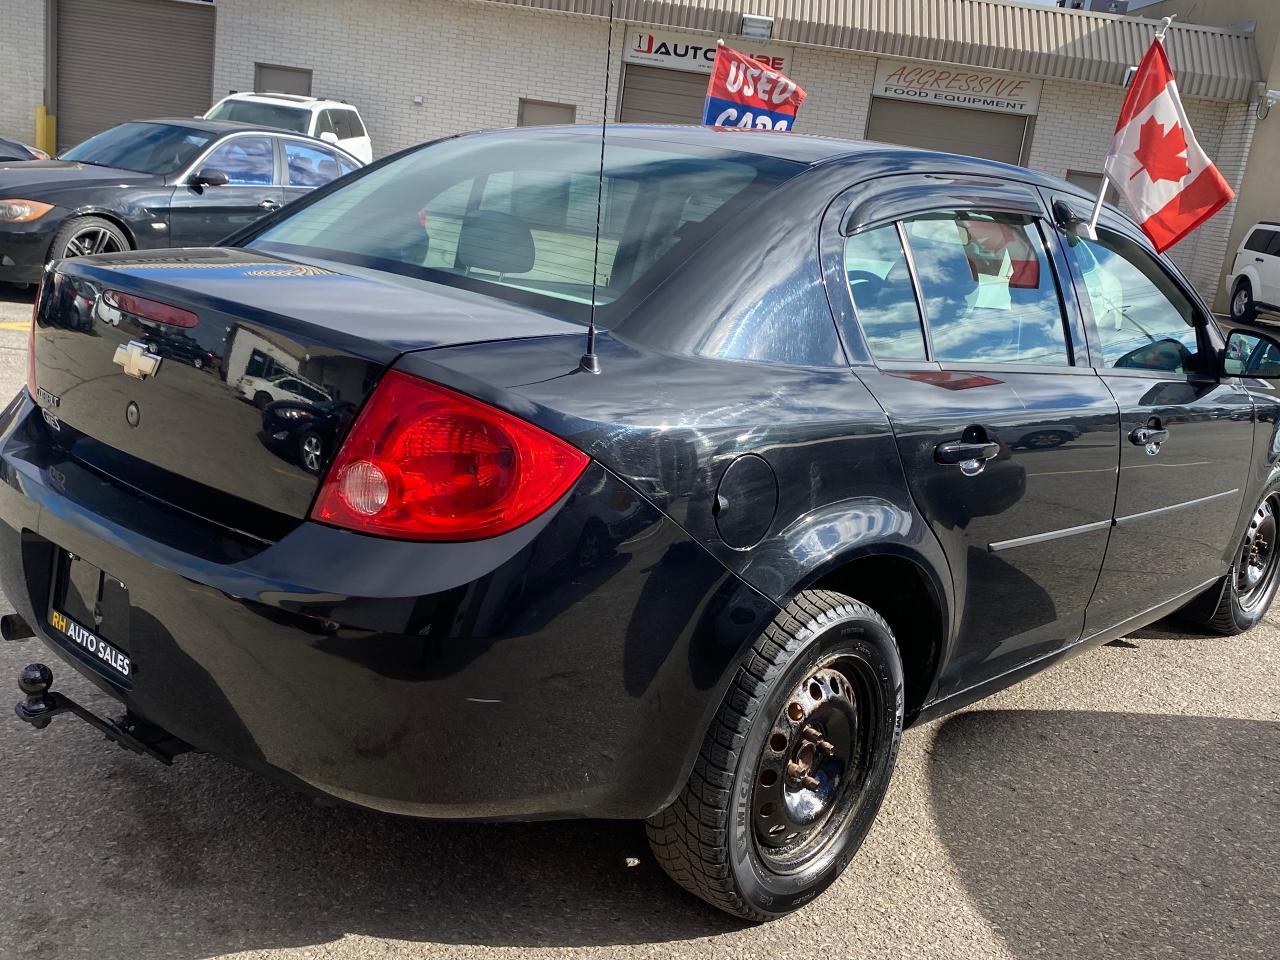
<point x="170" y="409"/>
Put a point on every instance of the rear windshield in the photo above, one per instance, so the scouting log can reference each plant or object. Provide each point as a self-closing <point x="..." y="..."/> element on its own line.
<point x="262" y="114"/>
<point x="514" y="216"/>
<point x="158" y="148"/>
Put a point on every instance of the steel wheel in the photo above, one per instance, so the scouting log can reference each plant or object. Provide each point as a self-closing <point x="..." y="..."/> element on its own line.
<point x="90" y="240"/>
<point x="812" y="766"/>
<point x="1256" y="565"/>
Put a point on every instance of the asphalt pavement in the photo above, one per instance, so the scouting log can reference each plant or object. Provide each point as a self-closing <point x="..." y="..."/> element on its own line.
<point x="1125" y="804"/>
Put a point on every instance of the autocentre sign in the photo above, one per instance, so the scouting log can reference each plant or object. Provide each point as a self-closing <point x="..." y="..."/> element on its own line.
<point x="682" y="51"/>
<point x="953" y="85"/>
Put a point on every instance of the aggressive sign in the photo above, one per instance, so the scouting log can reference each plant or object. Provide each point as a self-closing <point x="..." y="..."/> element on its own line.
<point x="949" y="85"/>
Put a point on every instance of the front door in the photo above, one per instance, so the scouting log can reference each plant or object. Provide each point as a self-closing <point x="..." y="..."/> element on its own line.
<point x="1186" y="436"/>
<point x="1007" y="436"/>
<point x="202" y="215"/>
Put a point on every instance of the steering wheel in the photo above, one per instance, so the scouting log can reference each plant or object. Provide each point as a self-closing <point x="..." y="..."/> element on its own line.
<point x="865" y="286"/>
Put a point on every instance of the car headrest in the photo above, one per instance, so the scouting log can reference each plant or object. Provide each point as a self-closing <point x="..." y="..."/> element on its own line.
<point x="489" y="240"/>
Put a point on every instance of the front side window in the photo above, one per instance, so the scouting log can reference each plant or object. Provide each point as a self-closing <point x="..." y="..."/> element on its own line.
<point x="515" y="216"/>
<point x="988" y="290"/>
<point x="1260" y="240"/>
<point x="311" y="166"/>
<point x="245" y="161"/>
<point x="880" y="283"/>
<point x="1144" y="321"/>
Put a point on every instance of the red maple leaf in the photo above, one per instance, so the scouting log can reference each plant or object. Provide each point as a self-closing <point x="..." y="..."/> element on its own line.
<point x="1161" y="153"/>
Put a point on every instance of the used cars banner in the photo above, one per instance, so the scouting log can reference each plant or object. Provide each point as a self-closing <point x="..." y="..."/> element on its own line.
<point x="743" y="92"/>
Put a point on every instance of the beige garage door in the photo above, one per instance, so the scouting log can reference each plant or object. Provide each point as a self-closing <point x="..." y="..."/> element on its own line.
<point x="978" y="133"/>
<point x="654" y="95"/>
<point x="124" y="60"/>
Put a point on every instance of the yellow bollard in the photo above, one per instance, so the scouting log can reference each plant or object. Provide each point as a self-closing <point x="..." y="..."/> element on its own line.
<point x="46" y="130"/>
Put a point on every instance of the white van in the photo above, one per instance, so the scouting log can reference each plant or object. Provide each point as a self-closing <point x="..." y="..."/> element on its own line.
<point x="1254" y="280"/>
<point x="330" y="120"/>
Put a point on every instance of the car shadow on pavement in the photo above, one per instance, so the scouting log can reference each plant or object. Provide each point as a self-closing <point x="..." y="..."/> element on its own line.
<point x="203" y="859"/>
<point x="1104" y="835"/>
<point x="10" y="293"/>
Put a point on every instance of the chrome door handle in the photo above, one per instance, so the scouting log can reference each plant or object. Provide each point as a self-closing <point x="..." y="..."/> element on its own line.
<point x="960" y="451"/>
<point x="269" y="204"/>
<point x="1145" y="435"/>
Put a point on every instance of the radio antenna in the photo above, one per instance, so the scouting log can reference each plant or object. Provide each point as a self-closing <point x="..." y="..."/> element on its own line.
<point x="590" y="363"/>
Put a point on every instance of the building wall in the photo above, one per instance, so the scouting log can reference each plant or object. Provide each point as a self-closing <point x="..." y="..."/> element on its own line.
<point x="470" y="62"/>
<point x="1258" y="187"/>
<point x="837" y="87"/>
<point x="21" y="66"/>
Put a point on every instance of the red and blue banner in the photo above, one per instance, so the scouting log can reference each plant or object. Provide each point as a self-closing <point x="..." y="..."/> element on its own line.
<point x="743" y="92"/>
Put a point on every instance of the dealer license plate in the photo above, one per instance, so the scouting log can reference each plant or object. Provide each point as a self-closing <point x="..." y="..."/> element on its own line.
<point x="82" y="595"/>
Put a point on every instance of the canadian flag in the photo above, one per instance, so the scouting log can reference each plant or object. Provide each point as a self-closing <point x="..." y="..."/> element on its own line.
<point x="1155" y="161"/>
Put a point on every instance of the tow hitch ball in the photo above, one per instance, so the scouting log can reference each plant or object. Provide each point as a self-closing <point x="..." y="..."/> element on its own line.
<point x="132" y="733"/>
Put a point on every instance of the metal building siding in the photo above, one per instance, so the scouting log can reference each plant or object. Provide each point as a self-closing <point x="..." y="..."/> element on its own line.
<point x="1211" y="62"/>
<point x="124" y="60"/>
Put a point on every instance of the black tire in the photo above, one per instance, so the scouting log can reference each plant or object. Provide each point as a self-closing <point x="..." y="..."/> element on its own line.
<point x="261" y="399"/>
<point x="1241" y="599"/>
<point x="823" y="651"/>
<point x="1242" y="306"/>
<point x="81" y="236"/>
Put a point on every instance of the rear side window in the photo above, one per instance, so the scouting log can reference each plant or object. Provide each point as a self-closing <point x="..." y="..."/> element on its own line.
<point x="1261" y="241"/>
<point x="880" y="283"/>
<point x="311" y="166"/>
<point x="988" y="290"/>
<point x="515" y="217"/>
<point x="1144" y="321"/>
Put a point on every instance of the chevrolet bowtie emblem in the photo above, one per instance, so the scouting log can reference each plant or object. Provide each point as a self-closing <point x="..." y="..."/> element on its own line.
<point x="137" y="361"/>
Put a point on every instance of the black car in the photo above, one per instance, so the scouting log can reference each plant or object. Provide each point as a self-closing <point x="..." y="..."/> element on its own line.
<point x="17" y="150"/>
<point x="155" y="183"/>
<point x="305" y="433"/>
<point x="685" y="523"/>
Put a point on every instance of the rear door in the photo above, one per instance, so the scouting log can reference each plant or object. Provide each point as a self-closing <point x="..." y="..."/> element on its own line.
<point x="1008" y="437"/>
<point x="1186" y="434"/>
<point x="310" y="165"/>
<point x="1269" y="270"/>
<point x="203" y="215"/>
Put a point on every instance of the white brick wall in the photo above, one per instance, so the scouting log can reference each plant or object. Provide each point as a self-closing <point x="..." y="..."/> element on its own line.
<point x="21" y="66"/>
<point x="837" y="87"/>
<point x="470" y="62"/>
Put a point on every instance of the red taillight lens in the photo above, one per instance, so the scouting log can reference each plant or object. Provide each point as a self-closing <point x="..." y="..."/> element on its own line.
<point x="150" y="309"/>
<point x="31" y="342"/>
<point x="425" y="463"/>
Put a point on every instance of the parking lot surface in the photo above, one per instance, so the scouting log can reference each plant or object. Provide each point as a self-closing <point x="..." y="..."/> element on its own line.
<point x="1123" y="805"/>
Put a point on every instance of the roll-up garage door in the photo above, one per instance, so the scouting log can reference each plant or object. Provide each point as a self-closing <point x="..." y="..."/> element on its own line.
<point x="655" y="95"/>
<point x="124" y="60"/>
<point x="978" y="133"/>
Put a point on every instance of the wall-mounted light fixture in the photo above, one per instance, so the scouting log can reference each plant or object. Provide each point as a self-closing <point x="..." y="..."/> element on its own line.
<point x="756" y="27"/>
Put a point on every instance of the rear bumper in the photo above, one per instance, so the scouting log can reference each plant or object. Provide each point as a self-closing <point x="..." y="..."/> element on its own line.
<point x="565" y="669"/>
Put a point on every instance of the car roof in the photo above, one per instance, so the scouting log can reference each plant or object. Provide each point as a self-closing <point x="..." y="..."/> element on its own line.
<point x="213" y="126"/>
<point x="799" y="148"/>
<point x="288" y="99"/>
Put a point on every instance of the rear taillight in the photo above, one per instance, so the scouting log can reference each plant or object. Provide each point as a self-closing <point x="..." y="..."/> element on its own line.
<point x="154" y="310"/>
<point x="425" y="463"/>
<point x="31" y="342"/>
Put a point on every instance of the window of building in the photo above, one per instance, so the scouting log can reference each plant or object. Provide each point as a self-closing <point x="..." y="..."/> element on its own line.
<point x="540" y="113"/>
<point x="988" y="290"/>
<point x="272" y="78"/>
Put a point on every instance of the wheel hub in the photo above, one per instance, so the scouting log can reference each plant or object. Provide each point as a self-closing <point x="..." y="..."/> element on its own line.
<point x="808" y="765"/>
<point x="1255" y="567"/>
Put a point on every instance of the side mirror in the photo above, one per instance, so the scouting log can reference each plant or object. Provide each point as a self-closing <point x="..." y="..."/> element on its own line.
<point x="1251" y="354"/>
<point x="329" y="137"/>
<point x="210" y="177"/>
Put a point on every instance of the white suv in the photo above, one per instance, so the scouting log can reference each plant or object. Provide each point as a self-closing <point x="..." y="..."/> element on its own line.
<point x="1254" y="280"/>
<point x="331" y="120"/>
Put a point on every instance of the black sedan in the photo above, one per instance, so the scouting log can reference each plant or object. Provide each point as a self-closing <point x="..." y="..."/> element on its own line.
<point x="157" y="183"/>
<point x="17" y="150"/>
<point x="682" y="511"/>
